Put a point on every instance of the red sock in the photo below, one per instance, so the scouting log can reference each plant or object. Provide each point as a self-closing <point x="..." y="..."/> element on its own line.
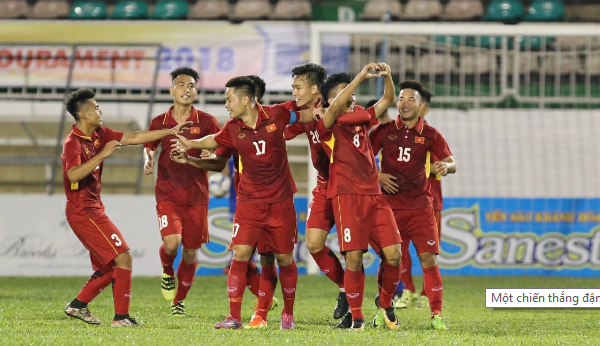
<point x="166" y="260"/>
<point x="406" y="268"/>
<point x="289" y="278"/>
<point x="95" y="284"/>
<point x="185" y="279"/>
<point x="253" y="278"/>
<point x="389" y="282"/>
<point x="121" y="284"/>
<point x="434" y="287"/>
<point x="236" y="284"/>
<point x="354" y="281"/>
<point x="268" y="283"/>
<point x="330" y="265"/>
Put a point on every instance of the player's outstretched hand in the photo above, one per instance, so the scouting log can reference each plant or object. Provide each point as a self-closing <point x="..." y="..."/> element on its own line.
<point x="180" y="127"/>
<point x="440" y="168"/>
<point x="149" y="167"/>
<point x="387" y="183"/>
<point x="179" y="156"/>
<point x="207" y="155"/>
<point x="110" y="148"/>
<point x="181" y="143"/>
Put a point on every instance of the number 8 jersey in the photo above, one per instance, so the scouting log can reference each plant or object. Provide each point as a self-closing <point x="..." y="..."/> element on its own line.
<point x="352" y="169"/>
<point x="263" y="167"/>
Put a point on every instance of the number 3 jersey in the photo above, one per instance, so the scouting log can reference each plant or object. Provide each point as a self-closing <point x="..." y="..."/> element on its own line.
<point x="405" y="153"/>
<point x="352" y="169"/>
<point x="264" y="172"/>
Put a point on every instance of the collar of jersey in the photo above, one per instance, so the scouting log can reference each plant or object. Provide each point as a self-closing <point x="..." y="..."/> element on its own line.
<point x="262" y="114"/>
<point x="418" y="127"/>
<point x="168" y="117"/>
<point x="77" y="132"/>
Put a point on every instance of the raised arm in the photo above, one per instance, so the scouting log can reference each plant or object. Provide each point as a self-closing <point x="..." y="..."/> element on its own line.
<point x="389" y="92"/>
<point x="370" y="70"/>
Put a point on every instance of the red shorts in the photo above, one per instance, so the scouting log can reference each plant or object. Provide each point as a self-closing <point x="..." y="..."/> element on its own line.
<point x="438" y="219"/>
<point x="361" y="219"/>
<point x="384" y="231"/>
<point x="419" y="226"/>
<point x="190" y="221"/>
<point x="102" y="239"/>
<point x="320" y="211"/>
<point x="269" y="227"/>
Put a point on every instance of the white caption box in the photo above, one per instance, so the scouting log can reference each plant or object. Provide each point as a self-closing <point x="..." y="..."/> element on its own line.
<point x="542" y="298"/>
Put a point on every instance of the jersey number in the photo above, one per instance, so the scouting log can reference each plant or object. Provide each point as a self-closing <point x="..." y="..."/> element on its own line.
<point x="347" y="236"/>
<point x="356" y="140"/>
<point x="116" y="239"/>
<point x="236" y="228"/>
<point x="404" y="154"/>
<point x="162" y="222"/>
<point x="315" y="137"/>
<point x="260" y="147"/>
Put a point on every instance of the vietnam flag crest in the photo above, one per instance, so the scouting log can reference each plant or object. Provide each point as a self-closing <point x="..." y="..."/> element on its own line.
<point x="271" y="128"/>
<point x="195" y="130"/>
<point x="420" y="140"/>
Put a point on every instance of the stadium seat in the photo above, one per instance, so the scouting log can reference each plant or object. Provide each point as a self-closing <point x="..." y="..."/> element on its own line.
<point x="454" y="40"/>
<point x="14" y="9"/>
<point x="437" y="64"/>
<point x="529" y="63"/>
<point x="130" y="10"/>
<point x="473" y="63"/>
<point x="210" y="9"/>
<point x="564" y="63"/>
<point x="570" y="42"/>
<point x="170" y="9"/>
<point x="88" y="10"/>
<point x="592" y="66"/>
<point x="422" y="10"/>
<point x="251" y="10"/>
<point x="462" y="10"/>
<point x="506" y="11"/>
<point x="50" y="9"/>
<point x="545" y="11"/>
<point x="535" y="42"/>
<point x="292" y="10"/>
<point x="376" y="9"/>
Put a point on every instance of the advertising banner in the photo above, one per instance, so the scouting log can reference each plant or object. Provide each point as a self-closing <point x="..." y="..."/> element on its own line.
<point x="124" y="54"/>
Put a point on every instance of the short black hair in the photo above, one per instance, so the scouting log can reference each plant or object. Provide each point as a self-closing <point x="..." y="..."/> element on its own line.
<point x="261" y="86"/>
<point x="330" y="84"/>
<point x="412" y="84"/>
<point x="427" y="95"/>
<point x="242" y="84"/>
<point x="315" y="73"/>
<point x="75" y="99"/>
<point x="371" y="103"/>
<point x="188" y="71"/>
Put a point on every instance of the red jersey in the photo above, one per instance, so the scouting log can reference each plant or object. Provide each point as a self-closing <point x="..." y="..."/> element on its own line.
<point x="352" y="169"/>
<point x="317" y="153"/>
<point x="264" y="172"/>
<point x="181" y="184"/>
<point x="83" y="197"/>
<point x="404" y="155"/>
<point x="435" y="182"/>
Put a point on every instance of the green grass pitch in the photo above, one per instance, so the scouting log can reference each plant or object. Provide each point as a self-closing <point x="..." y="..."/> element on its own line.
<point x="31" y="314"/>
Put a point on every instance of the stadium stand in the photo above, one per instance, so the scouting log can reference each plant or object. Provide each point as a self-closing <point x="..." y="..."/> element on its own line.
<point x="88" y="10"/>
<point x="210" y="9"/>
<point x="14" y="9"/>
<point x="292" y="10"/>
<point x="170" y="9"/>
<point x="251" y="10"/>
<point x="50" y="9"/>
<point x="422" y="10"/>
<point x="462" y="10"/>
<point x="130" y="10"/>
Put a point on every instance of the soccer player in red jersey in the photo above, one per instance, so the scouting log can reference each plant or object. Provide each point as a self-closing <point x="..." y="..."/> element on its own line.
<point x="84" y="151"/>
<point x="361" y="217"/>
<point x="265" y="214"/>
<point x="181" y="190"/>
<point x="306" y="85"/>
<point x="406" y="144"/>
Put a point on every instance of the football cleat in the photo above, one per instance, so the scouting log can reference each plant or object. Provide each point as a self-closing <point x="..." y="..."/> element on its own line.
<point x="82" y="314"/>
<point x="167" y="287"/>
<point x="341" y="308"/>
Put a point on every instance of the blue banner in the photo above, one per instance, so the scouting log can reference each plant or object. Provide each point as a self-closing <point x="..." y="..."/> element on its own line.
<point x="480" y="236"/>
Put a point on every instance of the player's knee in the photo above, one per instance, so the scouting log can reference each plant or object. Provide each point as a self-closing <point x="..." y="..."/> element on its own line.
<point x="314" y="246"/>
<point x="124" y="261"/>
<point x="284" y="260"/>
<point x="428" y="260"/>
<point x="242" y="253"/>
<point x="354" y="260"/>
<point x="171" y="245"/>
<point x="189" y="255"/>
